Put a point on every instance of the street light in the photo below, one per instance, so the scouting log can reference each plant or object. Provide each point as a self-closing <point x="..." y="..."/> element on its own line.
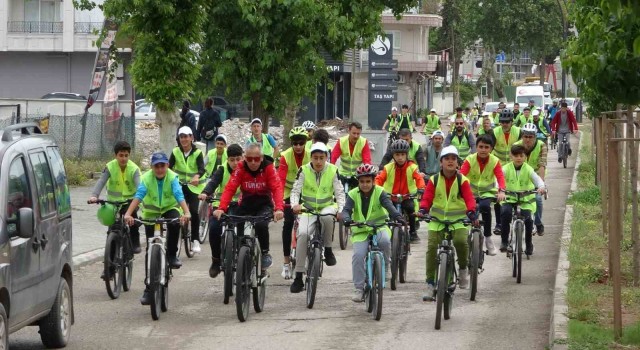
<point x="564" y="40"/>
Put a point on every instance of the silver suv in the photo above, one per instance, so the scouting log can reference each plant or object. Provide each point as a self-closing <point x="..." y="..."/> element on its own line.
<point x="36" y="266"/>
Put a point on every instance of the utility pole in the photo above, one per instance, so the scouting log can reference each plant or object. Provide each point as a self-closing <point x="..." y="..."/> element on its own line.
<point x="564" y="41"/>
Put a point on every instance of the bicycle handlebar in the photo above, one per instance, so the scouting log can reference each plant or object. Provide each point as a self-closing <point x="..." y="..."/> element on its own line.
<point x="428" y="218"/>
<point x="404" y="196"/>
<point x="246" y="218"/>
<point x="311" y="212"/>
<point x="374" y="225"/>
<point x="116" y="203"/>
<point x="157" y="221"/>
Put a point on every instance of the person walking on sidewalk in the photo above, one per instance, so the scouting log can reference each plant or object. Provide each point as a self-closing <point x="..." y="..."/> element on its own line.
<point x="208" y="124"/>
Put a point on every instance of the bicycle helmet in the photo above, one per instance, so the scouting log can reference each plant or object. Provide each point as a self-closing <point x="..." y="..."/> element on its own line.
<point x="506" y="116"/>
<point x="107" y="214"/>
<point x="308" y="125"/>
<point x="400" y="146"/>
<point x="298" y="131"/>
<point x="529" y="128"/>
<point x="366" y="170"/>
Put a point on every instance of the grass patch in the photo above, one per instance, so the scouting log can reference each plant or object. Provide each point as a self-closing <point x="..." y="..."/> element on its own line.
<point x="79" y="170"/>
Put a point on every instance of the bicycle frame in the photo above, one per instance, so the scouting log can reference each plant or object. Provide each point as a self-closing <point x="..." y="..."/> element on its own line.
<point x="158" y="239"/>
<point x="375" y="250"/>
<point x="250" y="240"/>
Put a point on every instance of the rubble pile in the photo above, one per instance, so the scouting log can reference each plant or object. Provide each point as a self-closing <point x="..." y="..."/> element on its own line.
<point x="147" y="141"/>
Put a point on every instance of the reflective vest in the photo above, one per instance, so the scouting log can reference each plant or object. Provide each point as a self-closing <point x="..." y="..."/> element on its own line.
<point x="503" y="148"/>
<point x="375" y="214"/>
<point x="483" y="183"/>
<point x="155" y="204"/>
<point x="394" y="123"/>
<point x="314" y="195"/>
<point x="212" y="156"/>
<point x="267" y="149"/>
<point x="391" y="178"/>
<point x="188" y="168"/>
<point x="496" y="118"/>
<point x="432" y="123"/>
<point x="226" y="175"/>
<point x="120" y="185"/>
<point x="447" y="208"/>
<point x="522" y="120"/>
<point x="534" y="156"/>
<point x="349" y="162"/>
<point x="307" y="146"/>
<point x="292" y="167"/>
<point x="520" y="182"/>
<point x="541" y="127"/>
<point x="462" y="146"/>
<point x="413" y="149"/>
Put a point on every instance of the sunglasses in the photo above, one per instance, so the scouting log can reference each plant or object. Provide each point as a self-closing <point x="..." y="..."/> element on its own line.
<point x="299" y="143"/>
<point x="459" y="123"/>
<point x="253" y="159"/>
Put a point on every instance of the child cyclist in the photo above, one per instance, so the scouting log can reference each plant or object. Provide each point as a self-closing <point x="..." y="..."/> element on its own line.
<point x="122" y="177"/>
<point x="367" y="203"/>
<point x="402" y="177"/>
<point x="218" y="181"/>
<point x="316" y="185"/>
<point x="216" y="157"/>
<point x="448" y="197"/>
<point x="520" y="176"/>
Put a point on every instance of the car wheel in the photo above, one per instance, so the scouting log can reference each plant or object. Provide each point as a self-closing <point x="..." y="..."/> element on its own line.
<point x="56" y="326"/>
<point x="4" y="329"/>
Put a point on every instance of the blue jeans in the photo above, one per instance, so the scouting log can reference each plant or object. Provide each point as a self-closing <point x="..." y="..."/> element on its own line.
<point x="538" y="214"/>
<point x="211" y="144"/>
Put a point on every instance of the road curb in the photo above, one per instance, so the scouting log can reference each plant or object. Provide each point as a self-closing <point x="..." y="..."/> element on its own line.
<point x="558" y="329"/>
<point x="87" y="258"/>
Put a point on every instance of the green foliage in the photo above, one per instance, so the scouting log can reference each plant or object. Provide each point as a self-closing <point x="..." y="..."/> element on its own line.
<point x="79" y="171"/>
<point x="468" y="92"/>
<point x="589" y="196"/>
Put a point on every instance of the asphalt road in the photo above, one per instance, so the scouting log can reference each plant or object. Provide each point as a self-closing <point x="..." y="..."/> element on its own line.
<point x="506" y="315"/>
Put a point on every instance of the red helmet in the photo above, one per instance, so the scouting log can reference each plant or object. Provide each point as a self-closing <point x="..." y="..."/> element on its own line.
<point x="366" y="170"/>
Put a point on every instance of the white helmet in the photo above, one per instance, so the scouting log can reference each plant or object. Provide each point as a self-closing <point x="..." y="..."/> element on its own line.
<point x="308" y="125"/>
<point x="529" y="128"/>
<point x="447" y="151"/>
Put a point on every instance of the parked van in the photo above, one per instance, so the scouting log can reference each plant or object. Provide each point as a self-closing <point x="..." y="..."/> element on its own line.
<point x="36" y="266"/>
<point x="525" y="93"/>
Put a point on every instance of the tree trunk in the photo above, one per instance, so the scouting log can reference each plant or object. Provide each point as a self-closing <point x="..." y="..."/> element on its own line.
<point x="259" y="111"/>
<point x="168" y="122"/>
<point x="455" y="80"/>
<point x="633" y="180"/>
<point x="493" y="75"/>
<point x="288" y="123"/>
<point x="543" y="71"/>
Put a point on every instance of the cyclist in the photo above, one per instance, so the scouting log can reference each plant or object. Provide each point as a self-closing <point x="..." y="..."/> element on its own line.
<point x="406" y="120"/>
<point x="367" y="203"/>
<point x="487" y="129"/>
<point x="414" y="154"/>
<point x="161" y="196"/>
<point x="495" y="116"/>
<point x="523" y="118"/>
<point x="552" y="109"/>
<point x="402" y="177"/>
<point x="520" y="176"/>
<point x="448" y="197"/>
<point x="217" y="182"/>
<point x="217" y="156"/>
<point x="188" y="162"/>
<point x="536" y="152"/>
<point x="543" y="127"/>
<point x="432" y="153"/>
<point x="483" y="170"/>
<point x="506" y="135"/>
<point x="317" y="185"/>
<point x="321" y="135"/>
<point x="431" y="123"/>
<point x="352" y="150"/>
<point x="516" y="111"/>
<point x="290" y="161"/>
<point x="461" y="139"/>
<point x="311" y="128"/>
<point x="458" y="114"/>
<point x="122" y="177"/>
<point x="473" y="117"/>
<point x="266" y="141"/>
<point x="532" y="105"/>
<point x="392" y="120"/>
<point x="261" y="195"/>
<point x="563" y="123"/>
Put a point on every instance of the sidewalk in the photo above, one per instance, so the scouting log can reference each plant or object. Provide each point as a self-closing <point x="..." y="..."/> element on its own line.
<point x="88" y="234"/>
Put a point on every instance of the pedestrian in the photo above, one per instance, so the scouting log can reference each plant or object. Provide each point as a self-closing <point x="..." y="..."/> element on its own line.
<point x="208" y="124"/>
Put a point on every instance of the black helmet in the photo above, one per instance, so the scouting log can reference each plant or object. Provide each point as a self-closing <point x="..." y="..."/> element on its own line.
<point x="400" y="146"/>
<point x="506" y="115"/>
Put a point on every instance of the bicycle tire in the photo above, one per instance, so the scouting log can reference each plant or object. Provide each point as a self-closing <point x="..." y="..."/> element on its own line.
<point x="448" y="295"/>
<point x="377" y="286"/>
<point x="294" y="246"/>
<point x="155" y="270"/>
<point x="164" y="304"/>
<point x="405" y="248"/>
<point x="186" y="236"/>
<point x="203" y="214"/>
<point x="112" y="267"/>
<point x="243" y="283"/>
<point x="519" y="232"/>
<point x="127" y="269"/>
<point x="228" y="265"/>
<point x="343" y="235"/>
<point x="259" y="292"/>
<point x="474" y="263"/>
<point x="368" y="297"/>
<point x="442" y="279"/>
<point x="396" y="251"/>
<point x="564" y="161"/>
<point x="315" y="262"/>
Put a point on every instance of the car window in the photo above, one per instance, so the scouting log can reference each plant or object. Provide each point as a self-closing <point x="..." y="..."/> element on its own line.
<point x="218" y="101"/>
<point x="18" y="194"/>
<point x="143" y="108"/>
<point x="44" y="183"/>
<point x="60" y="180"/>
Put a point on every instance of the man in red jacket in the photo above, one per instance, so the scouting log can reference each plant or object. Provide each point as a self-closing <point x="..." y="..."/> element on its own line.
<point x="564" y="122"/>
<point x="261" y="192"/>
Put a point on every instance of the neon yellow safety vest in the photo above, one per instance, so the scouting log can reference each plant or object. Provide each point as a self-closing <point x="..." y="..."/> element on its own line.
<point x="541" y="127"/>
<point x="317" y="196"/>
<point x="534" y="156"/>
<point x="226" y="175"/>
<point x="212" y="156"/>
<point x="292" y="167"/>
<point x="187" y="169"/>
<point x="155" y="204"/>
<point x="522" y="120"/>
<point x="349" y="162"/>
<point x="413" y="149"/>
<point x="496" y="118"/>
<point x="267" y="149"/>
<point x="483" y="183"/>
<point x="120" y="185"/>
<point x="432" y="123"/>
<point x="307" y="146"/>
<point x="448" y="208"/>
<point x="375" y="214"/>
<point x="391" y="178"/>
<point x="503" y="148"/>
<point x="520" y="182"/>
<point x="462" y="146"/>
<point x="395" y="124"/>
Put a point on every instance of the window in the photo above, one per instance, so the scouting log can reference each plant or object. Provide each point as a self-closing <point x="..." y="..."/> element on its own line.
<point x="18" y="194"/>
<point x="397" y="38"/>
<point x="44" y="183"/>
<point x="217" y="101"/>
<point x="62" y="191"/>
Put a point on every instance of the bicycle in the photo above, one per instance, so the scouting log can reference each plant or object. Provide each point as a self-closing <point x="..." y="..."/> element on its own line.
<point x="514" y="250"/>
<point x="542" y="137"/>
<point x="400" y="244"/>
<point x="230" y="246"/>
<point x="159" y="273"/>
<point x="374" y="261"/>
<point x="563" y="150"/>
<point x="475" y="240"/>
<point x="447" y="274"/>
<point x="554" y="142"/>
<point x="249" y="274"/>
<point x="393" y="135"/>
<point x="205" y="210"/>
<point x="343" y="231"/>
<point x="118" y="253"/>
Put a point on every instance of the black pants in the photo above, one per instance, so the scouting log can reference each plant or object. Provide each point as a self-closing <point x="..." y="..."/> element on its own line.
<point x="507" y="215"/>
<point x="215" y="234"/>
<point x="262" y="228"/>
<point x="287" y="227"/>
<point x="193" y="202"/>
<point x="408" y="206"/>
<point x="484" y="206"/>
<point x="173" y="232"/>
<point x="134" y="231"/>
<point x="497" y="209"/>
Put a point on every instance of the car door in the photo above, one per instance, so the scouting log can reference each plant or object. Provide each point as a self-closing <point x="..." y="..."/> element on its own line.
<point x="25" y="252"/>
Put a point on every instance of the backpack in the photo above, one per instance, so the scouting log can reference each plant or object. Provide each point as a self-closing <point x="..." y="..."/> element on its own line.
<point x="458" y="177"/>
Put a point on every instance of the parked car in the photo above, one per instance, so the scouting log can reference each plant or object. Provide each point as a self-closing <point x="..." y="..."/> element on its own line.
<point x="147" y="111"/>
<point x="64" y="96"/>
<point x="491" y="106"/>
<point x="36" y="265"/>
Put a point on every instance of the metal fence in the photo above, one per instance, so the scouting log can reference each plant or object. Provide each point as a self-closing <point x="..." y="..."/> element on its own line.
<point x="87" y="27"/>
<point x="34" y="27"/>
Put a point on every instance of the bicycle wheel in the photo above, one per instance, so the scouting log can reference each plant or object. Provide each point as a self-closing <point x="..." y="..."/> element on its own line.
<point x="564" y="161"/>
<point x="313" y="273"/>
<point x="228" y="265"/>
<point x="474" y="262"/>
<point x="164" y="303"/>
<point x="127" y="269"/>
<point x="518" y="251"/>
<point x="203" y="214"/>
<point x="448" y="295"/>
<point x="405" y="248"/>
<point x="396" y="251"/>
<point x="243" y="283"/>
<point x="442" y="287"/>
<point x="155" y="273"/>
<point x="377" y="286"/>
<point x="186" y="236"/>
<point x="112" y="265"/>
<point x="343" y="233"/>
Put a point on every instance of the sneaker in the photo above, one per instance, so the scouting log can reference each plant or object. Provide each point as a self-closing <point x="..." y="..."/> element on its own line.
<point x="430" y="295"/>
<point x="214" y="270"/>
<point x="559" y="159"/>
<point x="503" y="247"/>
<point x="413" y="236"/>
<point x="267" y="261"/>
<point x="329" y="258"/>
<point x="195" y="247"/>
<point x="135" y="246"/>
<point x="540" y="230"/>
<point x="569" y="151"/>
<point x="286" y="271"/>
<point x="146" y="296"/>
<point x="529" y="249"/>
<point x="297" y="286"/>
<point x="463" y="278"/>
<point x="497" y="230"/>
<point x="491" y="248"/>
<point x="358" y="296"/>
<point x="174" y="262"/>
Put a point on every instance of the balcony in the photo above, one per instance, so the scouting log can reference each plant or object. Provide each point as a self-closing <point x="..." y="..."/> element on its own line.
<point x="87" y="27"/>
<point x="34" y="27"/>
